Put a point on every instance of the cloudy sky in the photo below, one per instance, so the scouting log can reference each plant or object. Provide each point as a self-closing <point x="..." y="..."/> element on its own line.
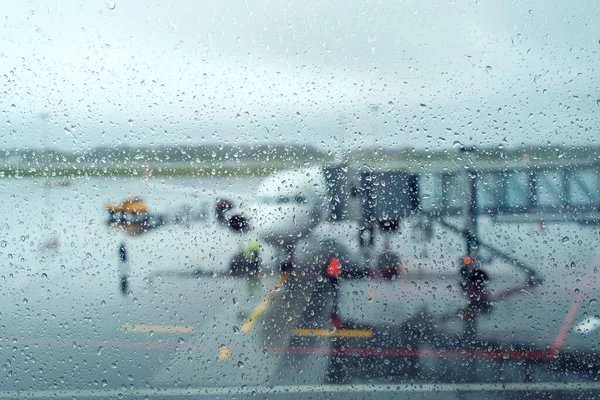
<point x="333" y="73"/>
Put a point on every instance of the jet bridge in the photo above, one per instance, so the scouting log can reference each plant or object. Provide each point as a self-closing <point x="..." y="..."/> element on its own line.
<point x="556" y="192"/>
<point x="562" y="193"/>
<point x="512" y="194"/>
<point x="456" y="199"/>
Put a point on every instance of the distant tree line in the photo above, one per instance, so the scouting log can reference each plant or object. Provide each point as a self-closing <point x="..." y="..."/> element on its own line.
<point x="171" y="153"/>
<point x="295" y="152"/>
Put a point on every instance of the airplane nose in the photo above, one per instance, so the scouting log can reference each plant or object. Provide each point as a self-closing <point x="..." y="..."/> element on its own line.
<point x="267" y="221"/>
<point x="283" y="224"/>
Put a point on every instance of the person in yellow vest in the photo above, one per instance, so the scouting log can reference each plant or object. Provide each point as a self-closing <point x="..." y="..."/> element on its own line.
<point x="252" y="271"/>
<point x="251" y="250"/>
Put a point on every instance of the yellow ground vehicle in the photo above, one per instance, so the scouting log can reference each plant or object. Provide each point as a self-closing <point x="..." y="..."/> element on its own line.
<point x="132" y="215"/>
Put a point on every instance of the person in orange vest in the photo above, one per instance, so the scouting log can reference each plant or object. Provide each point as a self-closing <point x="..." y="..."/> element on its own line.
<point x="473" y="284"/>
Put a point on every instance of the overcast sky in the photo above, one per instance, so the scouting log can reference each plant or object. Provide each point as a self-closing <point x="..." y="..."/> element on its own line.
<point x="345" y="73"/>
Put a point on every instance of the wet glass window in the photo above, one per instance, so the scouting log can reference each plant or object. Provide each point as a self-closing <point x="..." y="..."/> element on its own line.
<point x="299" y="200"/>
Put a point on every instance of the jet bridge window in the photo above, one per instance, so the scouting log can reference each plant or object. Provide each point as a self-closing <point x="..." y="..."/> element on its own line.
<point x="583" y="187"/>
<point x="549" y="188"/>
<point x="453" y="193"/>
<point x="430" y="191"/>
<point x="489" y="191"/>
<point x="516" y="190"/>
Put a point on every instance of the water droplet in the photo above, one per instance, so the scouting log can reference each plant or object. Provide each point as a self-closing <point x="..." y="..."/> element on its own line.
<point x="3" y="243"/>
<point x="593" y="302"/>
<point x="565" y="239"/>
<point x="44" y="275"/>
<point x="99" y="351"/>
<point x="111" y="4"/>
<point x="236" y="329"/>
<point x="104" y="383"/>
<point x="180" y="340"/>
<point x="240" y="364"/>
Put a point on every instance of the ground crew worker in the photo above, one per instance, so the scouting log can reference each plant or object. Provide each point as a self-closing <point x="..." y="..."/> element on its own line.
<point x="252" y="269"/>
<point x="473" y="284"/>
<point x="251" y="250"/>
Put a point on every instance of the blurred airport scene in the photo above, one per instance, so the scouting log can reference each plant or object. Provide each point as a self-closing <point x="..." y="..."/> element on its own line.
<point x="337" y="274"/>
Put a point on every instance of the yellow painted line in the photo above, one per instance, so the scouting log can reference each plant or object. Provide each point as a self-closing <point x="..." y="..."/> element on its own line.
<point x="224" y="353"/>
<point x="260" y="307"/>
<point x="158" y="328"/>
<point x="360" y="333"/>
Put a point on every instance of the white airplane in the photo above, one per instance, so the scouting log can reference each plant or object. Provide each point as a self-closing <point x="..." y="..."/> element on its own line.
<point x="290" y="215"/>
<point x="294" y="214"/>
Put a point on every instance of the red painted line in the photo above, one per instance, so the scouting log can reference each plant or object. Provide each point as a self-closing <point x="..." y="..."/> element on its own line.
<point x="564" y="329"/>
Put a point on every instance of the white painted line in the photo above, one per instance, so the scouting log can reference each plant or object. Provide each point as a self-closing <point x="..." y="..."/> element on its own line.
<point x="588" y="325"/>
<point x="250" y="390"/>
